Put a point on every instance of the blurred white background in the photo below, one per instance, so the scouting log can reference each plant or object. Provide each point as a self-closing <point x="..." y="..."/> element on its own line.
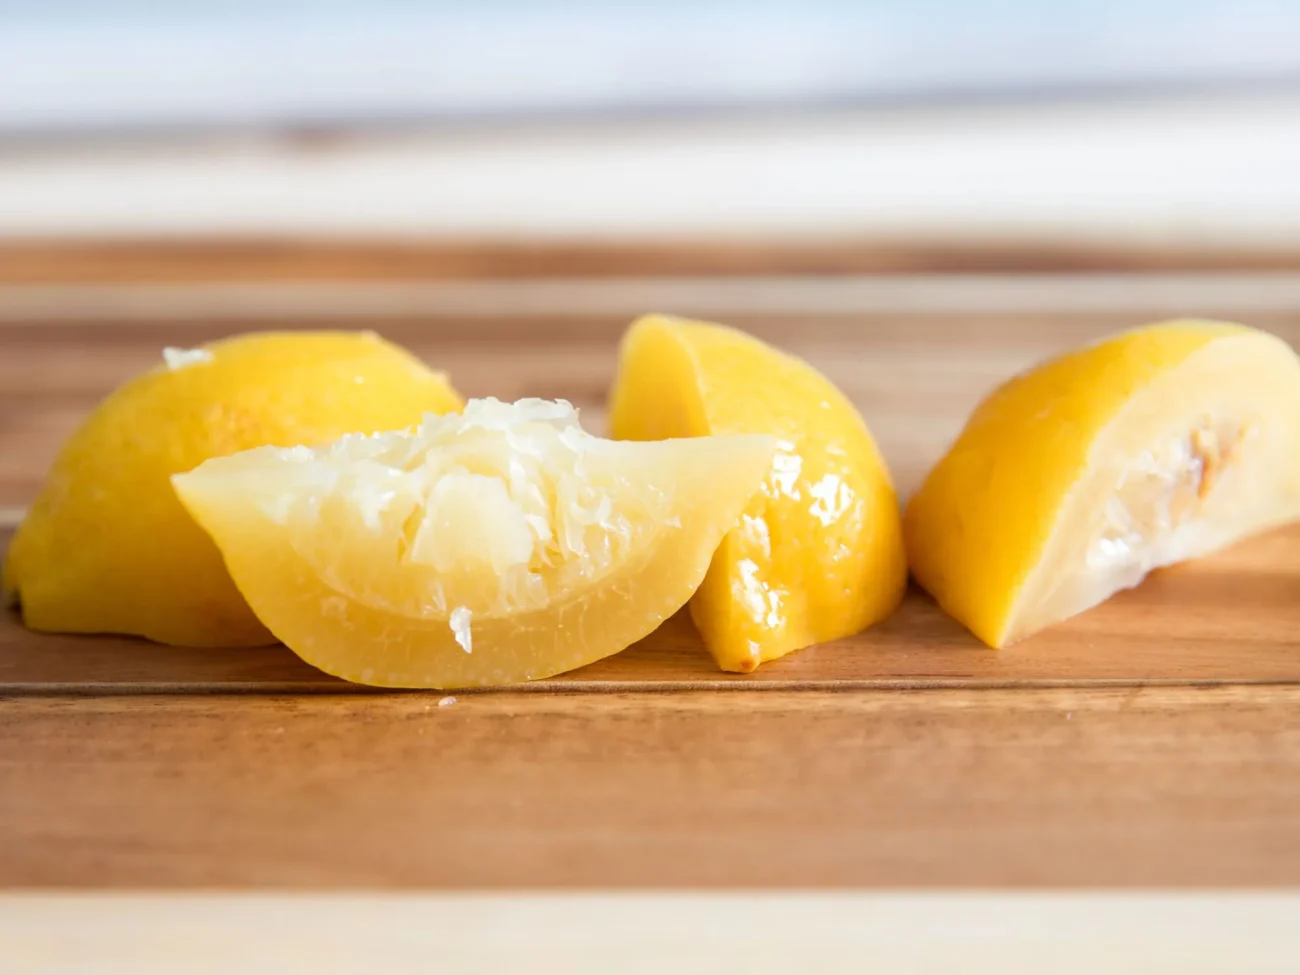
<point x="129" y="64"/>
<point x="1110" y="119"/>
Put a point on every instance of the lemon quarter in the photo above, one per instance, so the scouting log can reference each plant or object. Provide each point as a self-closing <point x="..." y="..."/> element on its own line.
<point x="1077" y="478"/>
<point x="107" y="547"/>
<point x="818" y="553"/>
<point x="493" y="546"/>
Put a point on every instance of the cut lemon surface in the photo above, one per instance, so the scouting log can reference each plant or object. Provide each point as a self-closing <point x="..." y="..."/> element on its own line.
<point x="1077" y="478"/>
<point x="818" y="553"/>
<point x="107" y="547"/>
<point x="499" y="545"/>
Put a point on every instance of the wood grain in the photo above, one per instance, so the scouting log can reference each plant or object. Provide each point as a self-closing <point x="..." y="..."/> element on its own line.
<point x="28" y="261"/>
<point x="1231" y="618"/>
<point x="1133" y="786"/>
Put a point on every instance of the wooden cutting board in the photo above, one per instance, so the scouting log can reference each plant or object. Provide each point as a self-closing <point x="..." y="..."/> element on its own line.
<point x="1152" y="740"/>
<point x="1233" y="618"/>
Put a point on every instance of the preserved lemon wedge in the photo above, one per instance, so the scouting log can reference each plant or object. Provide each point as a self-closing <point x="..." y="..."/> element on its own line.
<point x="498" y="545"/>
<point x="818" y="553"/>
<point x="107" y="548"/>
<point x="1076" y="479"/>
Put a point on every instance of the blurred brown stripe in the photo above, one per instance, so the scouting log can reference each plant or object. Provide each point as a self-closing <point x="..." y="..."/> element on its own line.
<point x="1142" y="296"/>
<point x="54" y="262"/>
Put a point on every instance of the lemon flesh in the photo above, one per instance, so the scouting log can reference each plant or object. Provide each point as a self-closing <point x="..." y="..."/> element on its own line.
<point x="499" y="545"/>
<point x="818" y="554"/>
<point x="1076" y="479"/>
<point x="107" y="548"/>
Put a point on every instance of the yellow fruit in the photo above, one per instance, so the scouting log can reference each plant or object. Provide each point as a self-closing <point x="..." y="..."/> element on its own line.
<point x="819" y="553"/>
<point x="496" y="546"/>
<point x="107" y="547"/>
<point x="1072" y="481"/>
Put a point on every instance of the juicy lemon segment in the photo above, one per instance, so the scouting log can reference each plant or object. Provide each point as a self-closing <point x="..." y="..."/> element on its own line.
<point x="1074" y="480"/>
<point x="818" y="553"/>
<point x="494" y="546"/>
<point x="107" y="547"/>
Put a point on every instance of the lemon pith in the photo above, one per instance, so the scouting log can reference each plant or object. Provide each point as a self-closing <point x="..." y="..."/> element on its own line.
<point x="107" y="547"/>
<point x="1075" y="479"/>
<point x="818" y="553"/>
<point x="498" y="545"/>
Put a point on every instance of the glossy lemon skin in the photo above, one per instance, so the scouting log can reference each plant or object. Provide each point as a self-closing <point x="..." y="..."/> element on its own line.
<point x="818" y="553"/>
<point x="985" y="514"/>
<point x="107" y="546"/>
